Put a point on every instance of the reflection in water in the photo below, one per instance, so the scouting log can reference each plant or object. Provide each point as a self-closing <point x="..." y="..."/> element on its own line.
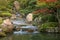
<point x="33" y="37"/>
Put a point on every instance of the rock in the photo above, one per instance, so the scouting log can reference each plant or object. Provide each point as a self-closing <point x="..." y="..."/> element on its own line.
<point x="2" y="34"/>
<point x="7" y="29"/>
<point x="52" y="29"/>
<point x="0" y="30"/>
<point x="29" y="17"/>
<point x="38" y="20"/>
<point x="17" y="5"/>
<point x="1" y="20"/>
<point x="47" y="30"/>
<point x="13" y="16"/>
<point x="18" y="29"/>
<point x="7" y="22"/>
<point x="56" y="29"/>
<point x="7" y="25"/>
<point x="30" y="30"/>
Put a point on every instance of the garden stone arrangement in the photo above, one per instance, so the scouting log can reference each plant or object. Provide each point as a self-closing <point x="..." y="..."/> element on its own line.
<point x="23" y="15"/>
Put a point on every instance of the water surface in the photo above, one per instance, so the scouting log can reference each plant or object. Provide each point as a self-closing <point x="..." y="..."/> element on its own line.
<point x="41" y="36"/>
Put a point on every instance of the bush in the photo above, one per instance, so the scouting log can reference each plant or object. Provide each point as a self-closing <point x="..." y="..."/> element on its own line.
<point x="49" y="18"/>
<point x="48" y="25"/>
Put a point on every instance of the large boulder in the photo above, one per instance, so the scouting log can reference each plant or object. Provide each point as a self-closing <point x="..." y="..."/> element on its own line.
<point x="7" y="25"/>
<point x="7" y="22"/>
<point x="29" y="17"/>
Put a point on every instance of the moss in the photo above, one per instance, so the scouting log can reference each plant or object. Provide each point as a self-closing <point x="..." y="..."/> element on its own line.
<point x="2" y="34"/>
<point x="4" y="29"/>
<point x="7" y="29"/>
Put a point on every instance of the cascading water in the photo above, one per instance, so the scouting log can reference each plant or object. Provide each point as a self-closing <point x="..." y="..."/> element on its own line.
<point x="21" y="23"/>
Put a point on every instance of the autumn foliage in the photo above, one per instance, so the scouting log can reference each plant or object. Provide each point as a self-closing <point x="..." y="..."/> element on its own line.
<point x="43" y="11"/>
<point x="47" y="0"/>
<point x="49" y="3"/>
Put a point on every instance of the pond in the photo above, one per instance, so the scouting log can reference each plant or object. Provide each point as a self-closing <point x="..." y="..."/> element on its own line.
<point x="41" y="36"/>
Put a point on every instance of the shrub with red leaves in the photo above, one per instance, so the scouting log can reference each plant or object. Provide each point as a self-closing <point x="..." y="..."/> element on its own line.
<point x="44" y="10"/>
<point x="41" y="0"/>
<point x="48" y="1"/>
<point x="51" y="1"/>
<point x="57" y="6"/>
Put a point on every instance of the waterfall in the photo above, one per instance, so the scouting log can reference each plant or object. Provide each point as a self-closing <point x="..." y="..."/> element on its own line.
<point x="20" y="22"/>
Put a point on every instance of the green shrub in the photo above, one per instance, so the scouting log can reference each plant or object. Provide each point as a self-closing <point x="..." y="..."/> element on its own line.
<point x="49" y="18"/>
<point x="48" y="25"/>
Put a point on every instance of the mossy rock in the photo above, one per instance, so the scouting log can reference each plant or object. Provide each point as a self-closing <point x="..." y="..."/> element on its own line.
<point x="5" y="29"/>
<point x="2" y="34"/>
